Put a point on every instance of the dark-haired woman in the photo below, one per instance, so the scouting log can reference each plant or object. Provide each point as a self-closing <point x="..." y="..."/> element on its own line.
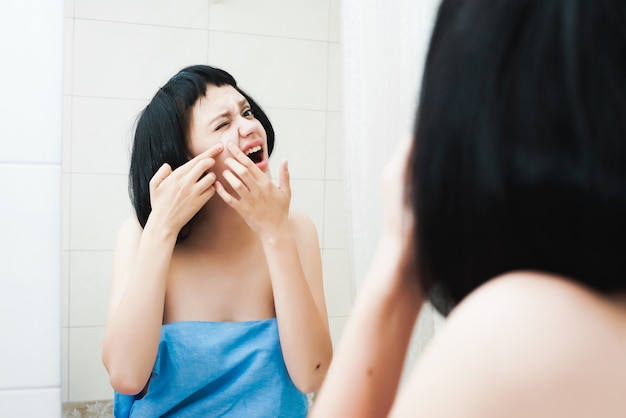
<point x="508" y="214"/>
<point x="217" y="306"/>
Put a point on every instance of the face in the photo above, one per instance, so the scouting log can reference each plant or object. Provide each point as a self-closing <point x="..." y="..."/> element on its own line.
<point x="223" y="115"/>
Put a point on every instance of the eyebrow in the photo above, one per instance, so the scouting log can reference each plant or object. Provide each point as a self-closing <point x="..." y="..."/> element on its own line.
<point x="242" y="103"/>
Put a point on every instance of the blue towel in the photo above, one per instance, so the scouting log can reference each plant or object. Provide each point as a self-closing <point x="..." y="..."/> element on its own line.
<point x="217" y="369"/>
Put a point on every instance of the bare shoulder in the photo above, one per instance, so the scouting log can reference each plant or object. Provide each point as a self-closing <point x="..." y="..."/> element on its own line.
<point x="302" y="227"/>
<point x="130" y="227"/>
<point x="128" y="237"/>
<point x="524" y="344"/>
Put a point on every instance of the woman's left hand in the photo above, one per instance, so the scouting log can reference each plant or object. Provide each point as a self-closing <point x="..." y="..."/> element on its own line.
<point x="263" y="205"/>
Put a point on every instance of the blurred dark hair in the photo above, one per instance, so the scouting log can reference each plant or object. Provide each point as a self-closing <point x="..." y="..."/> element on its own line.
<point x="162" y="129"/>
<point x="519" y="159"/>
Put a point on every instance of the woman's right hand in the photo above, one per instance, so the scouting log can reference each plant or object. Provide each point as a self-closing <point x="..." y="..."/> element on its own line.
<point x="176" y="196"/>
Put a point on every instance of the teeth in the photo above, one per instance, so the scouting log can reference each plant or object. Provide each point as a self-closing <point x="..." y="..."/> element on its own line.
<point x="253" y="149"/>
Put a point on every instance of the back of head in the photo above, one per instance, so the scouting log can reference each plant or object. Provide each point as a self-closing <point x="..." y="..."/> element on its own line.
<point x="161" y="134"/>
<point x="520" y="154"/>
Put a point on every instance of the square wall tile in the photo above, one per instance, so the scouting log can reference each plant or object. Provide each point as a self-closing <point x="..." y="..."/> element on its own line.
<point x="68" y="54"/>
<point x="282" y="18"/>
<point x="188" y="14"/>
<point x="68" y="8"/>
<point x="65" y="210"/>
<point x="307" y="196"/>
<point x="65" y="363"/>
<point x="279" y="72"/>
<point x="90" y="287"/>
<point x="99" y="205"/>
<point x="300" y="138"/>
<point x="30" y="289"/>
<point x="336" y="222"/>
<point x="338" y="284"/>
<point x="102" y="132"/>
<point x="335" y="147"/>
<point x="65" y="288"/>
<point x="335" y="77"/>
<point x="119" y="60"/>
<point x="33" y="403"/>
<point x="88" y="379"/>
<point x="66" y="157"/>
<point x="334" y="21"/>
<point x="32" y="71"/>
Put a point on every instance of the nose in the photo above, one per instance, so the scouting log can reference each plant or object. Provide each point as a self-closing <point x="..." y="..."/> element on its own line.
<point x="246" y="126"/>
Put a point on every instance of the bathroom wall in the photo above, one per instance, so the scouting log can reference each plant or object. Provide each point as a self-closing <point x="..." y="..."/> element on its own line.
<point x="30" y="183"/>
<point x="286" y="54"/>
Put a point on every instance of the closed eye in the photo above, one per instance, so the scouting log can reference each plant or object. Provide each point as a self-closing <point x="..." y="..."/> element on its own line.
<point x="221" y="125"/>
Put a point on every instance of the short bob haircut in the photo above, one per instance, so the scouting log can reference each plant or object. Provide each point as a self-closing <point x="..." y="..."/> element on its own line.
<point x="519" y="159"/>
<point x="162" y="129"/>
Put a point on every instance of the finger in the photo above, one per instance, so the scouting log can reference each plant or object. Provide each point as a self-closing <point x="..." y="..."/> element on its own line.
<point x="161" y="174"/>
<point x="203" y="156"/>
<point x="215" y="150"/>
<point x="243" y="159"/>
<point x="200" y="169"/>
<point x="226" y="197"/>
<point x="208" y="193"/>
<point x="205" y="183"/>
<point x="237" y="184"/>
<point x="283" y="178"/>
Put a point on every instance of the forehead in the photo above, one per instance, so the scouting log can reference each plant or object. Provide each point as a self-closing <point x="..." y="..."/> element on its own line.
<point x="218" y="99"/>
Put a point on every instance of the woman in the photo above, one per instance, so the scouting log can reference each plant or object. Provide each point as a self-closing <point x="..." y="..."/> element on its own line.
<point x="508" y="212"/>
<point x="217" y="306"/>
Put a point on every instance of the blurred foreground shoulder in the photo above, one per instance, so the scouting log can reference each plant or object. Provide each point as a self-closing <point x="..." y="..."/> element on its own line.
<point x="524" y="344"/>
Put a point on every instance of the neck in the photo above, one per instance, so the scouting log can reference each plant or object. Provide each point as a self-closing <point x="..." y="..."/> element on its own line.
<point x="218" y="226"/>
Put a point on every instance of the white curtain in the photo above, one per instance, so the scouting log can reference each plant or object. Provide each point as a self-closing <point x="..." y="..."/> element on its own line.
<point x="385" y="42"/>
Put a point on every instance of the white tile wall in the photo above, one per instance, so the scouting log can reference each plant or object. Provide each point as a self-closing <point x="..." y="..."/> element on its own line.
<point x="194" y="14"/>
<point x="335" y="70"/>
<point x="335" y="215"/>
<point x="30" y="213"/>
<point x="89" y="280"/>
<point x="280" y="72"/>
<point x="335" y="159"/>
<point x="31" y="268"/>
<point x="300" y="138"/>
<point x="99" y="204"/>
<point x="88" y="379"/>
<point x="65" y="288"/>
<point x="121" y="60"/>
<point x="276" y="18"/>
<point x="102" y="144"/>
<point x="334" y="21"/>
<point x="308" y="196"/>
<point x="34" y="403"/>
<point x="68" y="55"/>
<point x="337" y="286"/>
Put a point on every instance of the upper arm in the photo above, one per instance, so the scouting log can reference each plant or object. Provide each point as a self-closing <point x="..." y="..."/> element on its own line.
<point x="307" y="242"/>
<point x="124" y="255"/>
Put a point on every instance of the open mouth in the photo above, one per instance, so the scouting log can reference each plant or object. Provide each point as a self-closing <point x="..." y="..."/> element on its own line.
<point x="255" y="154"/>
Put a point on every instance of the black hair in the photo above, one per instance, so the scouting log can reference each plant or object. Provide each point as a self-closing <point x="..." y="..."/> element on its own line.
<point x="162" y="129"/>
<point x="519" y="159"/>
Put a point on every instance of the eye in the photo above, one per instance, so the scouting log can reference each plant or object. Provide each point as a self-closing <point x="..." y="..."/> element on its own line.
<point x="248" y="113"/>
<point x="221" y="125"/>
